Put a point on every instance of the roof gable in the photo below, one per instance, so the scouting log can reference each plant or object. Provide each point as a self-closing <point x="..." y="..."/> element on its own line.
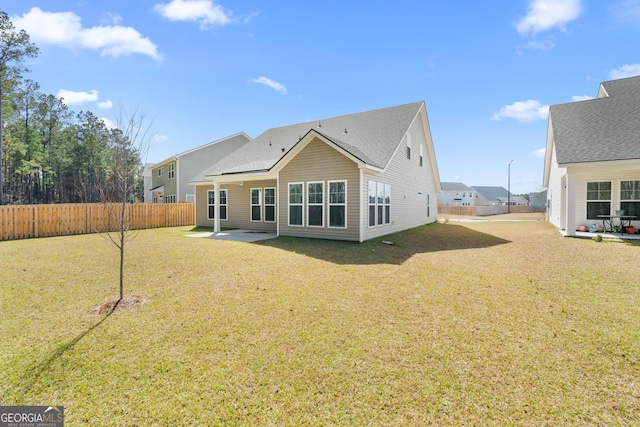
<point x="372" y="137"/>
<point x="602" y="129"/>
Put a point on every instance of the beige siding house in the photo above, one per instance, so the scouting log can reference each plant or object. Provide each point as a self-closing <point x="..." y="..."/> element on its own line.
<point x="352" y="177"/>
<point x="592" y="161"/>
<point x="170" y="178"/>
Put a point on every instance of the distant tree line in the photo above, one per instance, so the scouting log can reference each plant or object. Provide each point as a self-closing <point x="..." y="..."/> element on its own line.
<point x="49" y="153"/>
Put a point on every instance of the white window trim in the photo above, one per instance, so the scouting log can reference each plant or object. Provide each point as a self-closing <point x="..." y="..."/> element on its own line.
<point x="386" y="202"/>
<point x="369" y="204"/>
<point x="408" y="146"/>
<point x="161" y="171"/>
<point x="170" y="198"/>
<point x="275" y="195"/>
<point x="329" y="204"/>
<point x="289" y="204"/>
<point x="316" y="204"/>
<point x="171" y="168"/>
<point x="214" y="201"/>
<point x="421" y="153"/>
<point x="260" y="203"/>
<point x="209" y="204"/>
<point x="588" y="200"/>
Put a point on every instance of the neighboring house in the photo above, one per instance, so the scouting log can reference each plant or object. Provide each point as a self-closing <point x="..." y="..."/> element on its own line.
<point x="492" y="196"/>
<point x="456" y="194"/>
<point x="513" y="200"/>
<point x="352" y="177"/>
<point x="538" y="199"/>
<point x="146" y="176"/>
<point x="171" y="177"/>
<point x="592" y="160"/>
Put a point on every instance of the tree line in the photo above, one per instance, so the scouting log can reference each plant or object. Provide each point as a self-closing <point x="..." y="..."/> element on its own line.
<point x="49" y="153"/>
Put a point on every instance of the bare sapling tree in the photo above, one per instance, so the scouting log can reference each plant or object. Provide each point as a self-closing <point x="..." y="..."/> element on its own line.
<point x="129" y="143"/>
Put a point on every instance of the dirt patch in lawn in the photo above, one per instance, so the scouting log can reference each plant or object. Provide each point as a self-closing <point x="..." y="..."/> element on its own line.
<point x="114" y="304"/>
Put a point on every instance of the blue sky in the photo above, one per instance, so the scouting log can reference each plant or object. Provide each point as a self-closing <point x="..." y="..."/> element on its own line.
<point x="204" y="70"/>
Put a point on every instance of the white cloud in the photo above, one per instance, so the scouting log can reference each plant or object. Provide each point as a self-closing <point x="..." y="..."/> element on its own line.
<point x="105" y="105"/>
<point x="627" y="10"/>
<point x="544" y="15"/>
<point x="625" y="71"/>
<point x="72" y="98"/>
<point x="205" y="12"/>
<point x="523" y="111"/>
<point x="108" y="123"/>
<point x="578" y="98"/>
<point x="539" y="153"/>
<point x="545" y="45"/>
<point x="270" y="83"/>
<point x="65" y="29"/>
<point x="160" y="138"/>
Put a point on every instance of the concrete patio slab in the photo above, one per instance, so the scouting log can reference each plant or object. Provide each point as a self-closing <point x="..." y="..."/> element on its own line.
<point x="238" y="235"/>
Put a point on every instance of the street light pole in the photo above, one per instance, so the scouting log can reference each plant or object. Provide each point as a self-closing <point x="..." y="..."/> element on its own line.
<point x="509" y="187"/>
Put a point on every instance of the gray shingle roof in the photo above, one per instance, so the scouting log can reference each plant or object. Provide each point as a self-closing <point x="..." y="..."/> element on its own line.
<point x="602" y="129"/>
<point x="492" y="193"/>
<point x="454" y="186"/>
<point x="371" y="136"/>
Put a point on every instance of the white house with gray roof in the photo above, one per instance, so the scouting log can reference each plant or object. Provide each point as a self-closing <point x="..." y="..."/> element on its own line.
<point x="352" y="177"/>
<point x="456" y="194"/>
<point x="592" y="160"/>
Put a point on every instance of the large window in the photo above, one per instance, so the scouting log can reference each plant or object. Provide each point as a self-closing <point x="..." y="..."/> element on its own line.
<point x="379" y="203"/>
<point x="598" y="199"/>
<point x="315" y="204"/>
<point x="256" y="204"/>
<point x="172" y="170"/>
<point x="270" y="205"/>
<point x="295" y="204"/>
<point x="372" y="203"/>
<point x="630" y="197"/>
<point x="211" y="204"/>
<point x="387" y="204"/>
<point x="338" y="204"/>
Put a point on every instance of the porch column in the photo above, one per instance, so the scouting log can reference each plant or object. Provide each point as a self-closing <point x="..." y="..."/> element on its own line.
<point x="216" y="207"/>
<point x="571" y="205"/>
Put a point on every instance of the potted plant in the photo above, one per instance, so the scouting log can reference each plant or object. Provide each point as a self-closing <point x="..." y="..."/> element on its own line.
<point x="631" y="229"/>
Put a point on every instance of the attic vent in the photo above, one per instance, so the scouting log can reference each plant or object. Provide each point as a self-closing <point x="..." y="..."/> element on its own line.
<point x="282" y="149"/>
<point x="319" y="124"/>
<point x="345" y="130"/>
<point x="299" y="137"/>
<point x="269" y="143"/>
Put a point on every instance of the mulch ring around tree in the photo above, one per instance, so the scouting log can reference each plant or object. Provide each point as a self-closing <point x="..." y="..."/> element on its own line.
<point x="127" y="303"/>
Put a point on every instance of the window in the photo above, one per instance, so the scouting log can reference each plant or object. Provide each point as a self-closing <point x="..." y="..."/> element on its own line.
<point x="256" y="204"/>
<point x="421" y="153"/>
<point x="172" y="170"/>
<point x="338" y="204"/>
<point x="372" y="203"/>
<point x="190" y="198"/>
<point x="598" y="199"/>
<point x="295" y="204"/>
<point x="315" y="204"/>
<point x="211" y="203"/>
<point x="155" y="198"/>
<point x="160" y="171"/>
<point x="409" y="146"/>
<point x="270" y="205"/>
<point x="380" y="201"/>
<point x="428" y="205"/>
<point x="630" y="197"/>
<point x="387" y="204"/>
<point x="171" y="198"/>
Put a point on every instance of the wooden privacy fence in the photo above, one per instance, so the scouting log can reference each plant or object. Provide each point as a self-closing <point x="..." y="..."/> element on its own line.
<point x="487" y="210"/>
<point x="26" y="221"/>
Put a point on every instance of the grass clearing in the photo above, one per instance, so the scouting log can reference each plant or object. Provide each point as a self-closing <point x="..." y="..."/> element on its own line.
<point x="455" y="324"/>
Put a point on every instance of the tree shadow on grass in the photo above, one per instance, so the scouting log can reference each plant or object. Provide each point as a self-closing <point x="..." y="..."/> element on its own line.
<point x="31" y="377"/>
<point x="424" y="239"/>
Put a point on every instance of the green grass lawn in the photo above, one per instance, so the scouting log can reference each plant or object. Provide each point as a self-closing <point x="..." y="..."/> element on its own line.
<point x="475" y="324"/>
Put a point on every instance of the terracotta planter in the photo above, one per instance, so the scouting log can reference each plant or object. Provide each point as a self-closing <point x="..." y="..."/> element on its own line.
<point x="631" y="230"/>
